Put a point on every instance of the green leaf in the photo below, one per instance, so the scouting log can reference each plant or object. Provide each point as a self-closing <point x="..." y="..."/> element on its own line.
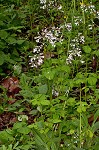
<point x="3" y="34"/>
<point x="95" y="126"/>
<point x="1" y="58"/>
<point x="41" y="140"/>
<point x="79" y="110"/>
<point x="1" y="23"/>
<point x="53" y="146"/>
<point x="97" y="53"/>
<point x="90" y="133"/>
<point x="11" y="40"/>
<point x="83" y="108"/>
<point x="15" y="145"/>
<point x="92" y="80"/>
<point x="49" y="74"/>
<point x="2" y="45"/>
<point x="79" y="149"/>
<point x="72" y="131"/>
<point x="45" y="102"/>
<point x="87" y="49"/>
<point x="4" y="147"/>
<point x="16" y="28"/>
<point x="56" y="120"/>
<point x="43" y="89"/>
<point x="96" y="115"/>
<point x="40" y="99"/>
<point x="85" y="120"/>
<point x="25" y="147"/>
<point x="5" y="137"/>
<point x="65" y="68"/>
<point x="24" y="130"/>
<point x="96" y="93"/>
<point x="18" y="125"/>
<point x="10" y="147"/>
<point x="20" y="41"/>
<point x="71" y="101"/>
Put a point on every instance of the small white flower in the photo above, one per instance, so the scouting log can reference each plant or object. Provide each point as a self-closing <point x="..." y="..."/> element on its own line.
<point x="90" y="27"/>
<point x="42" y="1"/>
<point x="79" y="54"/>
<point x="82" y="39"/>
<point x="69" y="26"/>
<point x="40" y="61"/>
<point x="60" y="7"/>
<point x="55" y="93"/>
<point x="82" y="61"/>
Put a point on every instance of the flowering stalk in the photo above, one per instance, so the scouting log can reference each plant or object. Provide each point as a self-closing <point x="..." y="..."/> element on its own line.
<point x="83" y="13"/>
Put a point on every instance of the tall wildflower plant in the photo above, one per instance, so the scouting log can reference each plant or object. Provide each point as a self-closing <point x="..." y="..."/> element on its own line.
<point x="66" y="55"/>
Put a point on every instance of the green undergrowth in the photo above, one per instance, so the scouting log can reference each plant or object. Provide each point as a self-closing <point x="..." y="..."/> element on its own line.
<point x="63" y="91"/>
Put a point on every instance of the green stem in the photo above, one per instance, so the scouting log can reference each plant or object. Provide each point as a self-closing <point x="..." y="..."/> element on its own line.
<point x="50" y="89"/>
<point x="80" y="138"/>
<point x="68" y="44"/>
<point x="83" y="15"/>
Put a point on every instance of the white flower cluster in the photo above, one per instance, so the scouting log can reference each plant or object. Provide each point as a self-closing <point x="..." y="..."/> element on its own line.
<point x="36" y="60"/>
<point x="55" y="93"/>
<point x="88" y="8"/>
<point x="77" y="20"/>
<point x="68" y="26"/>
<point x="42" y="1"/>
<point x="47" y="4"/>
<point x="52" y="36"/>
<point x="97" y="14"/>
<point x="43" y="4"/>
<point x="75" y="50"/>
